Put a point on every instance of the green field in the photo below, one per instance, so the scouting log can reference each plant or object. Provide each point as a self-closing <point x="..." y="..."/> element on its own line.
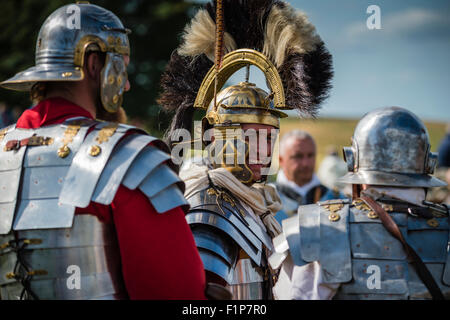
<point x="338" y="132"/>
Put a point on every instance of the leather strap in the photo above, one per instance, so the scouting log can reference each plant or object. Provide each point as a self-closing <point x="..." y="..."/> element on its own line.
<point x="421" y="269"/>
<point x="31" y="141"/>
<point x="317" y="194"/>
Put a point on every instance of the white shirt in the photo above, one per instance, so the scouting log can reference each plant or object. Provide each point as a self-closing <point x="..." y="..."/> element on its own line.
<point x="301" y="190"/>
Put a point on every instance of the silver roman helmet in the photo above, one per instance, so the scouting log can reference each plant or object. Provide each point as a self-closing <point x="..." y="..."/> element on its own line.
<point x="391" y="147"/>
<point x="61" y="46"/>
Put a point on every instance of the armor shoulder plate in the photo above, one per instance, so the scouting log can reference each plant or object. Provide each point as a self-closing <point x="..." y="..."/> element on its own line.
<point x="319" y="232"/>
<point x="37" y="164"/>
<point x="107" y="159"/>
<point x="223" y="212"/>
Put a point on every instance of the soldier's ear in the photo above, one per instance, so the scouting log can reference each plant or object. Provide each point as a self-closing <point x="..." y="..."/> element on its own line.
<point x="93" y="65"/>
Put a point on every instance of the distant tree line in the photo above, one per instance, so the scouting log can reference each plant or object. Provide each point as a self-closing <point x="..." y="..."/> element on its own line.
<point x="156" y="28"/>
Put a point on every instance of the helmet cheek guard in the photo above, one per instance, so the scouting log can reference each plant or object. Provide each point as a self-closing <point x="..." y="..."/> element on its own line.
<point x="230" y="151"/>
<point x="113" y="81"/>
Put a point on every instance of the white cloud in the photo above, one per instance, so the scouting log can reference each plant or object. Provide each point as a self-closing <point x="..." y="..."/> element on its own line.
<point x="407" y="22"/>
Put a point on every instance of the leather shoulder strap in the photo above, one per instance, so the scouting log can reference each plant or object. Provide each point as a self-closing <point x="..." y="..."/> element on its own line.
<point x="417" y="262"/>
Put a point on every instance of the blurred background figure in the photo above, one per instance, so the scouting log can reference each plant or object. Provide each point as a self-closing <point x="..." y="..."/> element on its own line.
<point x="6" y="116"/>
<point x="296" y="181"/>
<point x="444" y="150"/>
<point x="331" y="168"/>
<point x="442" y="194"/>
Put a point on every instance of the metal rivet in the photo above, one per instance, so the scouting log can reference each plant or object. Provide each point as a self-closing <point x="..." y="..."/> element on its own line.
<point x="95" y="150"/>
<point x="372" y="215"/>
<point x="111" y="79"/>
<point x="119" y="80"/>
<point x="433" y="223"/>
<point x="334" y="217"/>
<point x="63" y="151"/>
<point x="115" y="98"/>
<point x="10" y="275"/>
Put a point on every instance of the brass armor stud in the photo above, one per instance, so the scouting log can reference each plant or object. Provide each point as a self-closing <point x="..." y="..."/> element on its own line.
<point x="95" y="150"/>
<point x="372" y="215"/>
<point x="433" y="223"/>
<point x="334" y="217"/>
<point x="63" y="151"/>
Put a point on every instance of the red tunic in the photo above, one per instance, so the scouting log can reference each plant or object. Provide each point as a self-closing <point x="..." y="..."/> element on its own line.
<point x="158" y="252"/>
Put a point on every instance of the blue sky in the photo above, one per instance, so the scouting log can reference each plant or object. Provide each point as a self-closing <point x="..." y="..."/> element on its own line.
<point x="406" y="63"/>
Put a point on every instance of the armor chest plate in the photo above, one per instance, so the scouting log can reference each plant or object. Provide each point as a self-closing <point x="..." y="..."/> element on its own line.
<point x="82" y="262"/>
<point x="379" y="264"/>
<point x="230" y="242"/>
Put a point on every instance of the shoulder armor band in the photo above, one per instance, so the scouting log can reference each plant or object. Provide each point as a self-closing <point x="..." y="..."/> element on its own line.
<point x="132" y="162"/>
<point x="253" y="249"/>
<point x="319" y="232"/>
<point x="218" y="252"/>
<point x="232" y="210"/>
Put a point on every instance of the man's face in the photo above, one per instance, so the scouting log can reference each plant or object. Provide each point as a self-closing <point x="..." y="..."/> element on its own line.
<point x="260" y="139"/>
<point x="298" y="160"/>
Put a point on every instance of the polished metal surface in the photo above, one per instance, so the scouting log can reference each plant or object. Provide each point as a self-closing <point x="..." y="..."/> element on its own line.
<point x="215" y="220"/>
<point x="394" y="281"/>
<point x="144" y="164"/>
<point x="355" y="250"/>
<point x="372" y="240"/>
<point x="89" y="245"/>
<point x="6" y="216"/>
<point x="113" y="80"/>
<point x="168" y="199"/>
<point x="209" y="239"/>
<point x="43" y="213"/>
<point x="47" y="156"/>
<point x="291" y="232"/>
<point x="11" y="163"/>
<point x="391" y="147"/>
<point x="118" y="165"/>
<point x="247" y="291"/>
<point x="231" y="208"/>
<point x="63" y="39"/>
<point x="159" y="179"/>
<point x="42" y="182"/>
<point x="86" y="169"/>
<point x="248" y="281"/>
<point x="246" y="272"/>
<point x="213" y="263"/>
<point x="233" y="219"/>
<point x="335" y="256"/>
<point x="309" y="219"/>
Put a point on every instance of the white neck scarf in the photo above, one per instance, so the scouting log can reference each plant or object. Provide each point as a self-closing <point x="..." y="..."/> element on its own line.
<point x="301" y="190"/>
<point x="263" y="199"/>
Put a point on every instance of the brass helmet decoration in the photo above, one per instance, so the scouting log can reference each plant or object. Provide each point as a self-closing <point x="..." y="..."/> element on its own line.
<point x="62" y="43"/>
<point x="285" y="47"/>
